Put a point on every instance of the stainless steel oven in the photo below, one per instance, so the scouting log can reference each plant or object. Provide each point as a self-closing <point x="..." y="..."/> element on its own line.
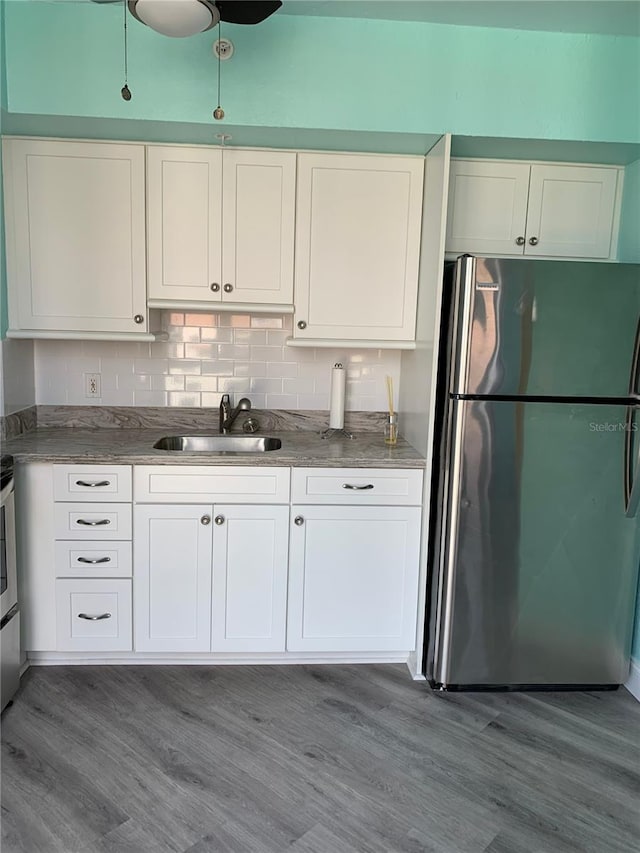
<point x="9" y="611"/>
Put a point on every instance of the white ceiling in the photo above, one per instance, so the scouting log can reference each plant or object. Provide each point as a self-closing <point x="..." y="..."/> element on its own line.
<point x="606" y="17"/>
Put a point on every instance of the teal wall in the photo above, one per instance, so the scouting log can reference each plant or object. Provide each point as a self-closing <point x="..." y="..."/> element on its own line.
<point x="299" y="71"/>
<point x="629" y="245"/>
<point x="3" y="106"/>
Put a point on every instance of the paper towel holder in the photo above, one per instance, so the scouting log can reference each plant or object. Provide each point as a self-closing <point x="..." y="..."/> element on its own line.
<point x="338" y="423"/>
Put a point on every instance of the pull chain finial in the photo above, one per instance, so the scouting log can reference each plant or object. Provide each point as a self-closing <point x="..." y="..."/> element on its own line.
<point x="125" y="91"/>
<point x="218" y="113"/>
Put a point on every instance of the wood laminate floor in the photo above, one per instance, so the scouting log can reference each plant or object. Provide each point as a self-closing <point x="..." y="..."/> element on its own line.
<point x="312" y="759"/>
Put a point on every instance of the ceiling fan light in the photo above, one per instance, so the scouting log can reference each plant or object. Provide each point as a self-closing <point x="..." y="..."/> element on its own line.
<point x="176" y="18"/>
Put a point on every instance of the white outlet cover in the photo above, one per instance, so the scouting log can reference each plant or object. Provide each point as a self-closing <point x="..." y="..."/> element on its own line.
<point x="223" y="48"/>
<point x="92" y="385"/>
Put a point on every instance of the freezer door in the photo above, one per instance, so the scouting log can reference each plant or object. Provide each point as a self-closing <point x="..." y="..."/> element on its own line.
<point x="538" y="559"/>
<point x="545" y="328"/>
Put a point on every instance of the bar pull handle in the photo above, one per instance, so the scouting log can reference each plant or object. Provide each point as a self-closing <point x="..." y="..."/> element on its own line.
<point x="95" y="618"/>
<point x="358" y="488"/>
<point x="631" y="467"/>
<point x="93" y="562"/>
<point x="98" y="523"/>
<point x="91" y="485"/>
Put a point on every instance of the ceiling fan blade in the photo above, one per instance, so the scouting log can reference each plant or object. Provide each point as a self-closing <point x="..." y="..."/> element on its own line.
<point x="246" y="11"/>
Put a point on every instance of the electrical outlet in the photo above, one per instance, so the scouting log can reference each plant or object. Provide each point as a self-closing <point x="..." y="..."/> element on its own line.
<point x="92" y="385"/>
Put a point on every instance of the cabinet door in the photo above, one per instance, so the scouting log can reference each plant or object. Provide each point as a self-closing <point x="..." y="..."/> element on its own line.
<point x="184" y="191"/>
<point x="487" y="207"/>
<point x="250" y="545"/>
<point x="353" y="578"/>
<point x="75" y="235"/>
<point x="357" y="244"/>
<point x="258" y="226"/>
<point x="571" y="211"/>
<point x="172" y="578"/>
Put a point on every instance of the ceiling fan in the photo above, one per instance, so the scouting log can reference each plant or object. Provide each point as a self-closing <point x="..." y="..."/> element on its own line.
<point x="179" y="18"/>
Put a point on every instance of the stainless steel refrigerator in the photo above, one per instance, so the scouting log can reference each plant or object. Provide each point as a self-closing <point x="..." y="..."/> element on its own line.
<point x="535" y="538"/>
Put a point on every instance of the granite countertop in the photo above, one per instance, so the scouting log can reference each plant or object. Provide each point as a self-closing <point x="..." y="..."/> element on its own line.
<point x="135" y="447"/>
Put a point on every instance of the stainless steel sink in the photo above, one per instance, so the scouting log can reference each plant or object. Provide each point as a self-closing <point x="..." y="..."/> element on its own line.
<point x="218" y="443"/>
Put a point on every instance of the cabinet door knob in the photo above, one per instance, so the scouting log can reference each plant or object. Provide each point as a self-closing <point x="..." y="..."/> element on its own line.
<point x="138" y="319"/>
<point x="215" y="287"/>
<point x="219" y="519"/>
<point x="520" y="241"/>
<point x="302" y="324"/>
<point x="533" y="241"/>
<point x="206" y="519"/>
<point x="228" y="288"/>
<point x="298" y="520"/>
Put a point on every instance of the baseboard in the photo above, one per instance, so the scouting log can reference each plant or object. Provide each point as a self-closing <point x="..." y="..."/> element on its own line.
<point x="208" y="659"/>
<point x="633" y="682"/>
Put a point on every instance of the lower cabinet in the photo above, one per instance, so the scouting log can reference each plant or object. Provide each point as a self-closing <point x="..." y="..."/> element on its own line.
<point x="210" y="577"/>
<point x="353" y="578"/>
<point x="172" y="578"/>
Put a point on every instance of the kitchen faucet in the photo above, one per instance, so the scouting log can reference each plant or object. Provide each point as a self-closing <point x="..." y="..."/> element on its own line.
<point x="227" y="416"/>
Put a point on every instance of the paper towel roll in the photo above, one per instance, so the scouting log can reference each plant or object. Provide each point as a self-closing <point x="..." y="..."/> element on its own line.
<point x="336" y="402"/>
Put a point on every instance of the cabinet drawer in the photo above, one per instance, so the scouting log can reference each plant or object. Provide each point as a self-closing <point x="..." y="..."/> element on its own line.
<point x="204" y="483"/>
<point x="360" y="486"/>
<point x="99" y="483"/>
<point x="94" y="521"/>
<point x="93" y="559"/>
<point x="93" y="615"/>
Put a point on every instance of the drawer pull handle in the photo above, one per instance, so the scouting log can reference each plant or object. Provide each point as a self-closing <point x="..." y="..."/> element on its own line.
<point x="98" y="523"/>
<point x="358" y="488"/>
<point x="94" y="618"/>
<point x="99" y="560"/>
<point x="91" y="485"/>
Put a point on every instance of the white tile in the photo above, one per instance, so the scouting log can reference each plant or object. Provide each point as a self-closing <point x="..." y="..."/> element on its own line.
<point x="217" y="334"/>
<point x="257" y="337"/>
<point x="184" y="367"/>
<point x="114" y="398"/>
<point x="211" y="401"/>
<point x="117" y="365"/>
<point x="266" y="321"/>
<point x="239" y="385"/>
<point x="150" y="398"/>
<point x="201" y="383"/>
<point x="262" y="385"/>
<point x="268" y="354"/>
<point x="134" y="382"/>
<point x="181" y="398"/>
<point x="282" y="401"/>
<point x="154" y="366"/>
<point x="249" y="368"/>
<point x="190" y="334"/>
<point x="199" y="351"/>
<point x="283" y="369"/>
<point x="277" y="338"/>
<point x="164" y="349"/>
<point x="298" y="386"/>
<point x="218" y="368"/>
<point x="238" y="352"/>
<point x="167" y="383"/>
<point x="313" y="401"/>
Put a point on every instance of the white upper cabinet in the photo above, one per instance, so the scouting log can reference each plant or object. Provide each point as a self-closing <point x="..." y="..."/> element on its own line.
<point x="75" y="226"/>
<point x="220" y="225"/>
<point x="544" y="210"/>
<point x="357" y="246"/>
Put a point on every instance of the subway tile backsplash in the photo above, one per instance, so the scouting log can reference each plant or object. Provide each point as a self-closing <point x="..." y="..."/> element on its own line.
<point x="206" y="355"/>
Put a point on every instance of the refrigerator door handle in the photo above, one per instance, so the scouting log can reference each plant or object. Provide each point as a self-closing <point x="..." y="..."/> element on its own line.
<point x="463" y="312"/>
<point x="631" y="466"/>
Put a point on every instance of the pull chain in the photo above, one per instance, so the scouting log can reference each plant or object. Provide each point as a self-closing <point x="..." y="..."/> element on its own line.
<point x="125" y="91"/>
<point x="218" y="113"/>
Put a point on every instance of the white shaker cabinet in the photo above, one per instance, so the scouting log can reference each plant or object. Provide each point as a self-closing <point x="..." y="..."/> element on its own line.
<point x="353" y="560"/>
<point x="220" y="226"/>
<point x="353" y="578"/>
<point x="172" y="578"/>
<point x="250" y="552"/>
<point x="533" y="209"/>
<point x="357" y="247"/>
<point x="75" y="223"/>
